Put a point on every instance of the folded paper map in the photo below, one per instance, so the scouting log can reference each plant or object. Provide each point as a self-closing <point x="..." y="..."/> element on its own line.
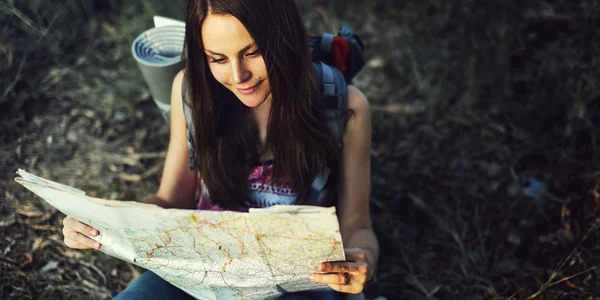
<point x="211" y="255"/>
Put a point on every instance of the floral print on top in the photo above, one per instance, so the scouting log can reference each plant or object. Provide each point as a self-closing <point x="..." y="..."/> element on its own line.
<point x="264" y="193"/>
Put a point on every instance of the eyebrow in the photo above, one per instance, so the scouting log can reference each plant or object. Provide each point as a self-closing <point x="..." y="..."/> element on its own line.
<point x="243" y="49"/>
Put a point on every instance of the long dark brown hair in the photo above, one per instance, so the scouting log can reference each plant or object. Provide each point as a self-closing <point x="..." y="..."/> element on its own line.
<point x="227" y="144"/>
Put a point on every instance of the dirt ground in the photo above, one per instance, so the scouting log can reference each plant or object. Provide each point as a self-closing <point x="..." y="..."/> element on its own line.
<point x="484" y="154"/>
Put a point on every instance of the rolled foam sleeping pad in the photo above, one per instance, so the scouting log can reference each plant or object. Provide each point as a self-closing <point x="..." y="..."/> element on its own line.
<point x="158" y="55"/>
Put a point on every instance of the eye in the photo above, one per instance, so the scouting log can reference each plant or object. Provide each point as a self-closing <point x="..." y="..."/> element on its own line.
<point x="217" y="60"/>
<point x="252" y="54"/>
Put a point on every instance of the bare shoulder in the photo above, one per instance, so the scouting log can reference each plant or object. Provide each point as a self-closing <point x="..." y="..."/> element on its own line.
<point x="177" y="81"/>
<point x="358" y="126"/>
<point x="357" y="101"/>
<point x="179" y="76"/>
<point x="361" y="111"/>
<point x="177" y="117"/>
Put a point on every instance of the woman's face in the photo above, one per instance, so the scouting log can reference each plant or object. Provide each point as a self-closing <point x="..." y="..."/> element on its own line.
<point x="234" y="60"/>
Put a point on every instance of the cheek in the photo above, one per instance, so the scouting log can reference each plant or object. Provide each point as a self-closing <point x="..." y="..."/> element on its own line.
<point x="260" y="68"/>
<point x="220" y="74"/>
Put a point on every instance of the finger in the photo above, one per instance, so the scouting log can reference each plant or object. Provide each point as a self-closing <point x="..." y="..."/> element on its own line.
<point x="343" y="267"/>
<point x="75" y="245"/>
<point x="332" y="278"/>
<point x="83" y="240"/>
<point x="348" y="289"/>
<point x="69" y="243"/>
<point x="354" y="254"/>
<point x="81" y="227"/>
<point x="359" y="279"/>
<point x="66" y="220"/>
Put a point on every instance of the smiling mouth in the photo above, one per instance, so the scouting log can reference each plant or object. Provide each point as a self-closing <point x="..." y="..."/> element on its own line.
<point x="250" y="90"/>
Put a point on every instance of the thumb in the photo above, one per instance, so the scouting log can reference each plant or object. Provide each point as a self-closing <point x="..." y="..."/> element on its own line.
<point x="354" y="254"/>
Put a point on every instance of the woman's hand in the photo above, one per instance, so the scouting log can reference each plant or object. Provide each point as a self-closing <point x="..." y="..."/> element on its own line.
<point x="347" y="276"/>
<point x="75" y="231"/>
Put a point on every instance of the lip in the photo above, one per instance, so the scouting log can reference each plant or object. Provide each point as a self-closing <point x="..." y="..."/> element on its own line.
<point x="250" y="90"/>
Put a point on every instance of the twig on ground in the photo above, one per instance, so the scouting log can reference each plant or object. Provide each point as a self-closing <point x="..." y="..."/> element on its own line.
<point x="93" y="267"/>
<point x="323" y="13"/>
<point x="134" y="159"/>
<point x="399" y="108"/>
<point x="137" y="177"/>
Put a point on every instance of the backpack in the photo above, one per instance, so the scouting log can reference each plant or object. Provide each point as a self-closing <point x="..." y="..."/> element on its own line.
<point x="336" y="60"/>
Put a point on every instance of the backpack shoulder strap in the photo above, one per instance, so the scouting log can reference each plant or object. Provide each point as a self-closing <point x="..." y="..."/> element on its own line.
<point x="187" y="113"/>
<point x="334" y="100"/>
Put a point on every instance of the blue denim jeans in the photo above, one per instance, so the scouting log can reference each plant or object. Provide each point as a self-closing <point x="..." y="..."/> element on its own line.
<point x="151" y="286"/>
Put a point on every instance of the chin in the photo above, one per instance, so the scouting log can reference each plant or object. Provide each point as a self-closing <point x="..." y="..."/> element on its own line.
<point x="253" y="100"/>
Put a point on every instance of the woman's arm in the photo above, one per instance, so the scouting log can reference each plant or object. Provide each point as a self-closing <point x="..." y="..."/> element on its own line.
<point x="355" y="185"/>
<point x="178" y="184"/>
<point x="361" y="246"/>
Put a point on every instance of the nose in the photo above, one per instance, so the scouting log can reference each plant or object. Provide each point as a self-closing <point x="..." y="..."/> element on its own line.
<point x="241" y="73"/>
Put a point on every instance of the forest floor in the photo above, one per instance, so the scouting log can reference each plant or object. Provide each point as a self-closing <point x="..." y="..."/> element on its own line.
<point x="484" y="154"/>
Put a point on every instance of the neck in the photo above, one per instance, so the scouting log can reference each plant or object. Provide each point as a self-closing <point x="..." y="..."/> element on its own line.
<point x="260" y="114"/>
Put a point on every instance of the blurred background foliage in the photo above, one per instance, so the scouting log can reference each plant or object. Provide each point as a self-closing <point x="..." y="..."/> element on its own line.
<point x="471" y="100"/>
<point x="491" y="55"/>
<point x="77" y="50"/>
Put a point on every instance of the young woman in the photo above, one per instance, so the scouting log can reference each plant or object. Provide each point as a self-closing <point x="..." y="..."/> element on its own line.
<point x="250" y="86"/>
